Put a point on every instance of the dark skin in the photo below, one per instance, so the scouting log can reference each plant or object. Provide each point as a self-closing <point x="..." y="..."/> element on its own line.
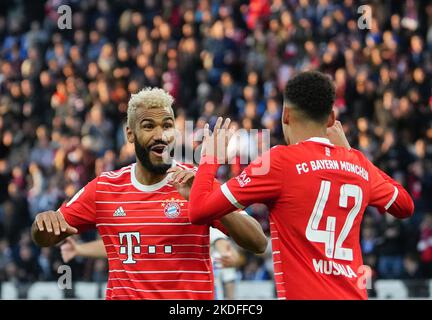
<point x="153" y="129"/>
<point x="50" y="228"/>
<point x="154" y="132"/>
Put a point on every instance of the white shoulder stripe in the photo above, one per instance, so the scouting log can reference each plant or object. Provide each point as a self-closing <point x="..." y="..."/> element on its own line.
<point x="393" y="199"/>
<point x="112" y="176"/>
<point x="117" y="172"/>
<point x="227" y="193"/>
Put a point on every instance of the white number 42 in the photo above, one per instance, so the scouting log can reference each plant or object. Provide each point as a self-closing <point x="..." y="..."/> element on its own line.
<point x="327" y="236"/>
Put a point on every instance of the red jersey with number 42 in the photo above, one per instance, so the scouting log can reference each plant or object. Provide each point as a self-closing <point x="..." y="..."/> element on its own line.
<point x="154" y="252"/>
<point x="317" y="194"/>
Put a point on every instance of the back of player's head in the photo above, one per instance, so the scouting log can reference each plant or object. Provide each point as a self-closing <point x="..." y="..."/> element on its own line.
<point x="311" y="93"/>
<point x="148" y="98"/>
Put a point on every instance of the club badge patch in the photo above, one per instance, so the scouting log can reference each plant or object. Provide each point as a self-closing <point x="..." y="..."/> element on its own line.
<point x="172" y="209"/>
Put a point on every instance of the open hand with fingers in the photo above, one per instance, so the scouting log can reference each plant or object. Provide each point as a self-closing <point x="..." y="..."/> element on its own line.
<point x="50" y="227"/>
<point x="215" y="144"/>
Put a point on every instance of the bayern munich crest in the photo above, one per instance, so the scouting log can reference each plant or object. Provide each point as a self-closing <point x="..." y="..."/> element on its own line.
<point x="172" y="209"/>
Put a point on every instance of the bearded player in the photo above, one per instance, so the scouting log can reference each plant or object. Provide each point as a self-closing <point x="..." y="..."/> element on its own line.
<point x="316" y="192"/>
<point x="141" y="214"/>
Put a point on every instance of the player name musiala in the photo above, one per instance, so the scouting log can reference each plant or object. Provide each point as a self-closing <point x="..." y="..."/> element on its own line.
<point x="330" y="267"/>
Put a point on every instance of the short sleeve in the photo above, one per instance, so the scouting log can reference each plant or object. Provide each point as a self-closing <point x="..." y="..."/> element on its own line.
<point x="80" y="211"/>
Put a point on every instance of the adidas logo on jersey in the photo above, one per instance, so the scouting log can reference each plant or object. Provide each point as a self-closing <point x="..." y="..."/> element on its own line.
<point x="119" y="212"/>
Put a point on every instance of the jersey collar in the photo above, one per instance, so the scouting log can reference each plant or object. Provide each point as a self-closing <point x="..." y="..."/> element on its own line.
<point x="320" y="140"/>
<point x="150" y="187"/>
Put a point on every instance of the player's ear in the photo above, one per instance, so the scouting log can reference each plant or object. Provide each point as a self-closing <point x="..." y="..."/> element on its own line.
<point x="285" y="115"/>
<point x="331" y="119"/>
<point x="129" y="135"/>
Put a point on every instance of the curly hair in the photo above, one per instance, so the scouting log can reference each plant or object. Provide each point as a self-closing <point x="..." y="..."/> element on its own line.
<point x="312" y="93"/>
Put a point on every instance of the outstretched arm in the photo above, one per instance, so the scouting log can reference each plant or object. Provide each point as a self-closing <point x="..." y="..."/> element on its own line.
<point x="243" y="229"/>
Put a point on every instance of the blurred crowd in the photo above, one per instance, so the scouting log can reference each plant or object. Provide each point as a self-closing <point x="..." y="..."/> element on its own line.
<point x="64" y="94"/>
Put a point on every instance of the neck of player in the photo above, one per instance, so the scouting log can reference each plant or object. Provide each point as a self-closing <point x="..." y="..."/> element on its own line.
<point x="302" y="131"/>
<point x="146" y="177"/>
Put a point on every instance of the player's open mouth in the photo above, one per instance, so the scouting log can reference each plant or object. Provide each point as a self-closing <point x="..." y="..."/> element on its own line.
<point x="159" y="149"/>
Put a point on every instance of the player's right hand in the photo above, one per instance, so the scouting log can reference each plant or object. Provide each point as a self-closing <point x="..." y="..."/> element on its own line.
<point x="337" y="136"/>
<point x="53" y="222"/>
<point x="68" y="249"/>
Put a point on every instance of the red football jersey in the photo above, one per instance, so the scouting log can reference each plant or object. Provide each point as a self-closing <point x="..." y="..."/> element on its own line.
<point x="316" y="193"/>
<point x="154" y="252"/>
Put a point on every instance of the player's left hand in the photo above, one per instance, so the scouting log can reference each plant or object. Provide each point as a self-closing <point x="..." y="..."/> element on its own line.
<point x="182" y="179"/>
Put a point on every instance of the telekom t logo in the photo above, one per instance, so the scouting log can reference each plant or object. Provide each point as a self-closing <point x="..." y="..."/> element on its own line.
<point x="129" y="248"/>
